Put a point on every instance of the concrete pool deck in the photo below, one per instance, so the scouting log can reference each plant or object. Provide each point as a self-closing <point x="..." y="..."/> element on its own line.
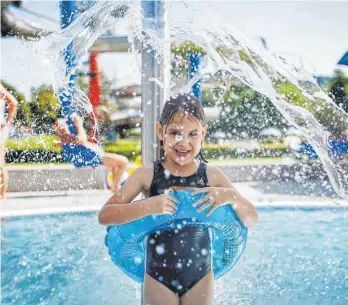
<point x="274" y="194"/>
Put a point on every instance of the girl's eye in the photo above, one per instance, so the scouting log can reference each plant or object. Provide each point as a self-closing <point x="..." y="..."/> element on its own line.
<point x="193" y="134"/>
<point x="174" y="133"/>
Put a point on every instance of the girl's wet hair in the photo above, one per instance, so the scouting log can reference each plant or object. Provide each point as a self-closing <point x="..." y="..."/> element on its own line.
<point x="186" y="105"/>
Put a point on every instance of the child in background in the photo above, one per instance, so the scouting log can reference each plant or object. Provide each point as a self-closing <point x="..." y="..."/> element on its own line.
<point x="7" y="100"/>
<point x="78" y="144"/>
<point x="178" y="267"/>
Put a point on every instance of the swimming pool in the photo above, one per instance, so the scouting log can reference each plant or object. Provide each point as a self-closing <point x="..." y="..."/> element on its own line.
<point x="294" y="256"/>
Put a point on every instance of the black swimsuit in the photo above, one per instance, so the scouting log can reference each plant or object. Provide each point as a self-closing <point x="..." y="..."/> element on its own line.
<point x="178" y="258"/>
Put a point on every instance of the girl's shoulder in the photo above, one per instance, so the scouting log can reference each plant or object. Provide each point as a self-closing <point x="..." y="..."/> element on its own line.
<point x="144" y="169"/>
<point x="147" y="167"/>
<point x="216" y="176"/>
<point x="213" y="170"/>
<point x="144" y="175"/>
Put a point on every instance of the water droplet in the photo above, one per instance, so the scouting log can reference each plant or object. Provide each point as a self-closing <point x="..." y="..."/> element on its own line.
<point x="160" y="249"/>
<point x="137" y="260"/>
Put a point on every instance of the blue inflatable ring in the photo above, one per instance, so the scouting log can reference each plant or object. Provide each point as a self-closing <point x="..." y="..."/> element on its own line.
<point x="126" y="243"/>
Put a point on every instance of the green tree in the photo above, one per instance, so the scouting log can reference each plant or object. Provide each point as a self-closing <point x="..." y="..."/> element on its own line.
<point x="325" y="113"/>
<point x="338" y="88"/>
<point x="245" y="113"/>
<point x="45" y="109"/>
<point x="23" y="116"/>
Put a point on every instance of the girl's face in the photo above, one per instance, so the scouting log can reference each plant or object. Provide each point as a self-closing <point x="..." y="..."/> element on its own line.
<point x="182" y="138"/>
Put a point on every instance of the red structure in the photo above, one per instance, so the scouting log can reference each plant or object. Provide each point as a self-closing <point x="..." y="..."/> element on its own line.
<point x="94" y="81"/>
<point x="94" y="94"/>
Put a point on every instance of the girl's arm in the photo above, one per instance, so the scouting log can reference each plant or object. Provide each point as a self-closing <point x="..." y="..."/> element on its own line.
<point x="81" y="135"/>
<point x="118" y="209"/>
<point x="65" y="136"/>
<point x="226" y="193"/>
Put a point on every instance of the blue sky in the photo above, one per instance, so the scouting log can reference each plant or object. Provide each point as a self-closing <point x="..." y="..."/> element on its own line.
<point x="316" y="31"/>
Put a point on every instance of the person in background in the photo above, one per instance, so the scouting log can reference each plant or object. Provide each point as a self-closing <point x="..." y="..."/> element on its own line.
<point x="9" y="102"/>
<point x="82" y="151"/>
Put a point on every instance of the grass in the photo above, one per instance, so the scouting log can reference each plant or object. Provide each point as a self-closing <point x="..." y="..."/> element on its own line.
<point x="40" y="142"/>
<point x="47" y="142"/>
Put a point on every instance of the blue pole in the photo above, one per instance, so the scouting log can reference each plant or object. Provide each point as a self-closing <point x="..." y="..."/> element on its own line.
<point x="68" y="13"/>
<point x="195" y="60"/>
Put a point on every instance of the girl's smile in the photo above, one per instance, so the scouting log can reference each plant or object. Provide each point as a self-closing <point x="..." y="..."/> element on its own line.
<point x="182" y="153"/>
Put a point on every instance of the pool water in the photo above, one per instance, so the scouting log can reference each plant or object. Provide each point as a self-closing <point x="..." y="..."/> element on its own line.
<point x="293" y="256"/>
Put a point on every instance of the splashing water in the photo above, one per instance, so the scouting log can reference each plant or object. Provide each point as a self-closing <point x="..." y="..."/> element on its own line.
<point x="229" y="57"/>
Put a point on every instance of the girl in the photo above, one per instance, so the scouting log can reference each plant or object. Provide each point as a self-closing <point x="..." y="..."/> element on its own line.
<point x="178" y="267"/>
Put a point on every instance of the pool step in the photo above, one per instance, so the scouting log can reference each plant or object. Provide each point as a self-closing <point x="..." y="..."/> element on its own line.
<point x="54" y="178"/>
<point x="66" y="177"/>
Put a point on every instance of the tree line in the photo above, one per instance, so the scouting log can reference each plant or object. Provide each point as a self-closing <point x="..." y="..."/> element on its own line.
<point x="40" y="112"/>
<point x="244" y="112"/>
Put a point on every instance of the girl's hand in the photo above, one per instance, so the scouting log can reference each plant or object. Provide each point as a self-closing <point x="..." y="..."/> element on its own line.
<point x="214" y="198"/>
<point x="164" y="204"/>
